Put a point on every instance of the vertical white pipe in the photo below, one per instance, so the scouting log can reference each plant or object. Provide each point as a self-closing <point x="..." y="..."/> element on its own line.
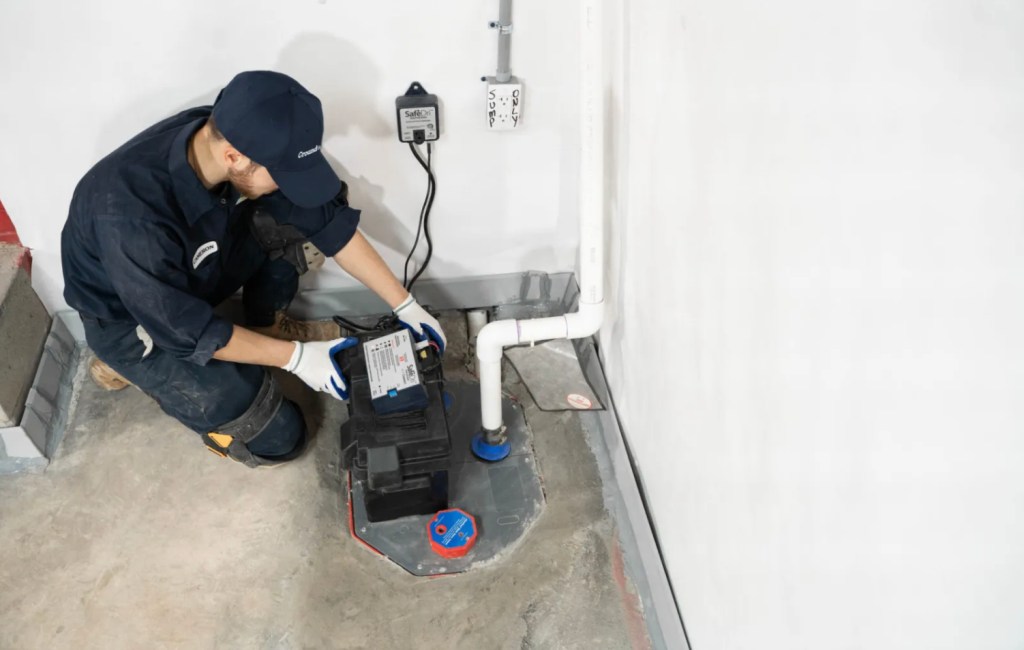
<point x="475" y="321"/>
<point x="489" y="349"/>
<point x="498" y="334"/>
<point x="591" y="153"/>
<point x="490" y="394"/>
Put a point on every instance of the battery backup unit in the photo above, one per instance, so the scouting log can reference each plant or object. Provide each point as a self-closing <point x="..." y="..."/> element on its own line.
<point x="396" y="439"/>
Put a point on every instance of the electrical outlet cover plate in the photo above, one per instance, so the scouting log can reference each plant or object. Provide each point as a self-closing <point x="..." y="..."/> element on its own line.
<point x="504" y="104"/>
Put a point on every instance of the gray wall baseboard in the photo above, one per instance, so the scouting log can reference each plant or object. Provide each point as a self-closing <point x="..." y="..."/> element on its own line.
<point x="460" y="293"/>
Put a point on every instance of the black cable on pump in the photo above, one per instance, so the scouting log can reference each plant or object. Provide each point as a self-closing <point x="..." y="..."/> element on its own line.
<point x="389" y="320"/>
<point x="419" y="226"/>
<point x="346" y="323"/>
<point x="384" y="323"/>
<point x="424" y="223"/>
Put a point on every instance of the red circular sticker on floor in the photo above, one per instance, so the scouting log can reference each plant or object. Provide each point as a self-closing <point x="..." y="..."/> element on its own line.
<point x="578" y="401"/>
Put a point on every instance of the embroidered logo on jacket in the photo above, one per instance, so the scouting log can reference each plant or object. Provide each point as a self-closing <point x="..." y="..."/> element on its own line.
<point x="204" y="251"/>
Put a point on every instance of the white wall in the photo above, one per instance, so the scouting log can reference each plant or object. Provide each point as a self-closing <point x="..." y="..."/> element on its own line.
<point x="817" y="221"/>
<point x="818" y="308"/>
<point x="79" y="78"/>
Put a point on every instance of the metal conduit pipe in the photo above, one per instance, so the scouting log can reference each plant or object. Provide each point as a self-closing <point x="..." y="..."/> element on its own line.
<point x="504" y="27"/>
<point x="495" y="336"/>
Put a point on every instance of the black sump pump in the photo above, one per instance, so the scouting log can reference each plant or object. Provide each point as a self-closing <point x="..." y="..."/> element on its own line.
<point x="396" y="439"/>
<point x="415" y="489"/>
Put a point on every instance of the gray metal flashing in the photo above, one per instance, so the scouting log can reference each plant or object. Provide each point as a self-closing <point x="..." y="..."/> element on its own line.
<point x="624" y="499"/>
<point x="459" y="293"/>
<point x="622" y="494"/>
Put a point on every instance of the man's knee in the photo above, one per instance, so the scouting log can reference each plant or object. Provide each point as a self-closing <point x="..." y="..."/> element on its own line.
<point x="271" y="430"/>
<point x="284" y="436"/>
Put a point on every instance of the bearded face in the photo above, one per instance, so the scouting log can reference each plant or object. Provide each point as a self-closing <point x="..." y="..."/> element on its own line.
<point x="253" y="181"/>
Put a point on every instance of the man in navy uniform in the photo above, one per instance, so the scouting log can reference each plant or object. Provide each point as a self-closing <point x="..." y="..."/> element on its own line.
<point x="184" y="214"/>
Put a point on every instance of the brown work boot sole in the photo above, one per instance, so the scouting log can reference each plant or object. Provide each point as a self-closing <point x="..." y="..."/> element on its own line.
<point x="304" y="331"/>
<point x="106" y="377"/>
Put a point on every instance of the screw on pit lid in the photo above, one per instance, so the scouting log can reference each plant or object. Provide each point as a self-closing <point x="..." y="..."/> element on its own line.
<point x="452" y="533"/>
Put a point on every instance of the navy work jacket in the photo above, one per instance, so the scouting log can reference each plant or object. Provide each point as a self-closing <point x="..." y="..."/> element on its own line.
<point x="143" y="236"/>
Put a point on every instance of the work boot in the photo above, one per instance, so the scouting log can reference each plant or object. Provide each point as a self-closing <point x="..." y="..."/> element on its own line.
<point x="304" y="331"/>
<point x="106" y="377"/>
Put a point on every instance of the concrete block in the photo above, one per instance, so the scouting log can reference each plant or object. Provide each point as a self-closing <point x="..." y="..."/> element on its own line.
<point x="24" y="324"/>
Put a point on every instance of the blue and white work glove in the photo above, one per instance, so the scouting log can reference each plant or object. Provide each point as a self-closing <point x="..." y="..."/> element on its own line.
<point x="314" y="364"/>
<point x="422" y="325"/>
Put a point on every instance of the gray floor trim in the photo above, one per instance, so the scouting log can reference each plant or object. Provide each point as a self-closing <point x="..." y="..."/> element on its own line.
<point x="640" y="549"/>
<point x="625" y="501"/>
<point x="459" y="293"/>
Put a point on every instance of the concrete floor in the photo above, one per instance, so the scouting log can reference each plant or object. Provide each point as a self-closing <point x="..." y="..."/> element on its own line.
<point x="136" y="537"/>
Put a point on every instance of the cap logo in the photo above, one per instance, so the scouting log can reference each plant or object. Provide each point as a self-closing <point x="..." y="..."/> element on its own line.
<point x="309" y="152"/>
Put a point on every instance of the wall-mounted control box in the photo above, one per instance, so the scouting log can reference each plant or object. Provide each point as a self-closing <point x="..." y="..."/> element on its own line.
<point x="419" y="115"/>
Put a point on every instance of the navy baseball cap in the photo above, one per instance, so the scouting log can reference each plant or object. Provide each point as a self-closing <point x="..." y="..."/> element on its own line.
<point x="272" y="119"/>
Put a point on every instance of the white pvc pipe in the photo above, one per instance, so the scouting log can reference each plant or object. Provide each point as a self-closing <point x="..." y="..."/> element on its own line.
<point x="587" y="321"/>
<point x="489" y="345"/>
<point x="475" y="321"/>
<point x="591" y="154"/>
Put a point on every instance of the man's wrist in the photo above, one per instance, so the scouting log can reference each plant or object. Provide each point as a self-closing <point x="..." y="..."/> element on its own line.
<point x="295" y="358"/>
<point x="405" y="303"/>
<point x="247" y="346"/>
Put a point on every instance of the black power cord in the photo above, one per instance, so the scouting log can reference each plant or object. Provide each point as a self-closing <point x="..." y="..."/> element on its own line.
<point x="384" y="323"/>
<point x="424" y="223"/>
<point x="423" y="228"/>
<point x="346" y="323"/>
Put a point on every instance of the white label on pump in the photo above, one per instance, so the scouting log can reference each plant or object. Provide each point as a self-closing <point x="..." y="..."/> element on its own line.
<point x="390" y="363"/>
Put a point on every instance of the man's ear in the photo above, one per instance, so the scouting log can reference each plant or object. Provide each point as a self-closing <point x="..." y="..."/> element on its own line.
<point x="233" y="158"/>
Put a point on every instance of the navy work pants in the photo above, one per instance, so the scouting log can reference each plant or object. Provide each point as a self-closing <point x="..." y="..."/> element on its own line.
<point x="204" y="398"/>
